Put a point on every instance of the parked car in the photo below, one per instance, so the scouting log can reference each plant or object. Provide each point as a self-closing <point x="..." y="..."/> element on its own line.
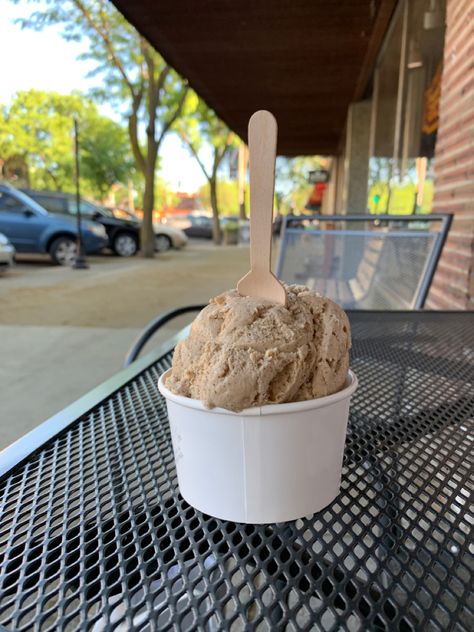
<point x="7" y="254"/>
<point x="123" y="232"/>
<point x="199" y="226"/>
<point x="166" y="237"/>
<point x="31" y="228"/>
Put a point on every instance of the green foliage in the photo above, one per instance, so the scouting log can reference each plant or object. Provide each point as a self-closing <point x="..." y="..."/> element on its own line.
<point x="231" y="227"/>
<point x="292" y="188"/>
<point x="130" y="69"/>
<point x="201" y="127"/>
<point x="164" y="196"/>
<point x="38" y="126"/>
<point x="227" y="194"/>
<point x="106" y="158"/>
<point x="134" y="77"/>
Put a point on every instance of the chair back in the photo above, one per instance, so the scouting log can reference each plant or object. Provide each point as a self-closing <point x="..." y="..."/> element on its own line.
<point x="364" y="261"/>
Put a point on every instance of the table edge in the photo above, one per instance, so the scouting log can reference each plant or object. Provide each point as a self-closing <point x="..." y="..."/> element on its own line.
<point x="22" y="448"/>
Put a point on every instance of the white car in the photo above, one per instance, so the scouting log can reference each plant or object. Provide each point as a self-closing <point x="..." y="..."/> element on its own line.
<point x="167" y="237"/>
<point x="7" y="254"/>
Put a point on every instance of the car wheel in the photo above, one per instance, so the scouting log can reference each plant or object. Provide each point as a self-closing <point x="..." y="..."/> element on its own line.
<point x="162" y="243"/>
<point x="125" y="245"/>
<point x="63" y="251"/>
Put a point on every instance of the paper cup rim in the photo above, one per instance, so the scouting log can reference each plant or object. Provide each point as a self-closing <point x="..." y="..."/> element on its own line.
<point x="269" y="409"/>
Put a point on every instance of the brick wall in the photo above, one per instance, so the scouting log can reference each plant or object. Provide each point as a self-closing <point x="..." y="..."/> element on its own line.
<point x="453" y="284"/>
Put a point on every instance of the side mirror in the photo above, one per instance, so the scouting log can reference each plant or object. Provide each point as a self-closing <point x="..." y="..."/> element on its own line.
<point x="27" y="212"/>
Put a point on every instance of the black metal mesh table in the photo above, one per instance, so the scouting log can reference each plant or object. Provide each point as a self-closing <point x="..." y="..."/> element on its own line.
<point x="95" y="536"/>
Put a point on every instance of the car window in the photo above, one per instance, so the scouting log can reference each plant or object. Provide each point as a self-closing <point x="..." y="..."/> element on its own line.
<point x="202" y="221"/>
<point x="10" y="203"/>
<point x="71" y="207"/>
<point x="52" y="204"/>
<point x="87" y="208"/>
<point x="26" y="201"/>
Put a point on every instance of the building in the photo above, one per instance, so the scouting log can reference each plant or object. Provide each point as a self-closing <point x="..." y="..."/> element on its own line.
<point x="184" y="205"/>
<point x="414" y="133"/>
<point x="385" y="87"/>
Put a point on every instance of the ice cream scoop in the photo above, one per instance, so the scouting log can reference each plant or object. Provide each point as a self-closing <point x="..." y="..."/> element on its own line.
<point x="244" y="351"/>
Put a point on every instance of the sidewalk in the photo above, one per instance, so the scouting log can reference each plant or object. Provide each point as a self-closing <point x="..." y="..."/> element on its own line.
<point x="64" y="331"/>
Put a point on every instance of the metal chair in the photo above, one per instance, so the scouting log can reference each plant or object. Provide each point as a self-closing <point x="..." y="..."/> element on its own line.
<point x="362" y="261"/>
<point x="153" y="327"/>
<point x="387" y="262"/>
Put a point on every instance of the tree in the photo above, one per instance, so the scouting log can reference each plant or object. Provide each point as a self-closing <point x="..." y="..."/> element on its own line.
<point x="164" y="196"/>
<point x="36" y="129"/>
<point x="201" y="127"/>
<point x="227" y="194"/>
<point x="106" y="158"/>
<point x="132" y="72"/>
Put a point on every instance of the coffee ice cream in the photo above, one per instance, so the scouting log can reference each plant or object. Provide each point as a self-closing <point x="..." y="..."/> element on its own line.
<point x="244" y="351"/>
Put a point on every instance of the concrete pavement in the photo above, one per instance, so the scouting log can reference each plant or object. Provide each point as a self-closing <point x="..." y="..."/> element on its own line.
<point x="63" y="332"/>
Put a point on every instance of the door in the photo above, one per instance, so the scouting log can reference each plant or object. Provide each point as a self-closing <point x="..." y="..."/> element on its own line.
<point x="20" y="224"/>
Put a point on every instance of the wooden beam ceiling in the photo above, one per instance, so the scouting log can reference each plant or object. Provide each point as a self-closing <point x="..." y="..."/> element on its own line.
<point x="304" y="60"/>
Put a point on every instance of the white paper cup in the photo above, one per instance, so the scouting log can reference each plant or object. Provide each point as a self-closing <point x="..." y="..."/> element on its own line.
<point x="265" y="464"/>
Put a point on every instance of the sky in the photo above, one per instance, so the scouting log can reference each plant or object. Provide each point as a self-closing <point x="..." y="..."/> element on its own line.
<point x="45" y="61"/>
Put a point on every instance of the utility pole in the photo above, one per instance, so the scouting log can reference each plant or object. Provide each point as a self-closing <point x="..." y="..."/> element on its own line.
<point x="80" y="262"/>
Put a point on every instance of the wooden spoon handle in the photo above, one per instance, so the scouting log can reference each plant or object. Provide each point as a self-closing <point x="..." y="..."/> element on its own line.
<point x="262" y="151"/>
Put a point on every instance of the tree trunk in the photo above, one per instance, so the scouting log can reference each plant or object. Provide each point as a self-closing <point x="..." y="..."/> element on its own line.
<point x="147" y="167"/>
<point x="147" y="235"/>
<point x="216" y="226"/>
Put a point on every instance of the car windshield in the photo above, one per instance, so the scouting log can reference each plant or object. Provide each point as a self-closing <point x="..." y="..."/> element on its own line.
<point x="87" y="208"/>
<point x="101" y="210"/>
<point x="28" y="201"/>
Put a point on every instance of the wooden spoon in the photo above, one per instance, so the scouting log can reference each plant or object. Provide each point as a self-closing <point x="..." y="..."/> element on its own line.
<point x="260" y="281"/>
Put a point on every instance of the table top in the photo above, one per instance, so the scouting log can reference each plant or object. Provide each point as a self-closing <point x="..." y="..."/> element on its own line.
<point x="95" y="536"/>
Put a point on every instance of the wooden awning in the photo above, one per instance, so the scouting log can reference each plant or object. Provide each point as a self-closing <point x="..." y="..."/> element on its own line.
<point x="304" y="60"/>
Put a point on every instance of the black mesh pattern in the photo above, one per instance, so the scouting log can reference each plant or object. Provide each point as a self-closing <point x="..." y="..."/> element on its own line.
<point x="95" y="536"/>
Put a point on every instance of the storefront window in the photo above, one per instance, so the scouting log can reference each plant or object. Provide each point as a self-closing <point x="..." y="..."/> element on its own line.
<point x="405" y="109"/>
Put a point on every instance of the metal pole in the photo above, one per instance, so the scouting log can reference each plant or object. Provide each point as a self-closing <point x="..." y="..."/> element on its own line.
<point x="374" y="113"/>
<point x="400" y="95"/>
<point x="80" y="263"/>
